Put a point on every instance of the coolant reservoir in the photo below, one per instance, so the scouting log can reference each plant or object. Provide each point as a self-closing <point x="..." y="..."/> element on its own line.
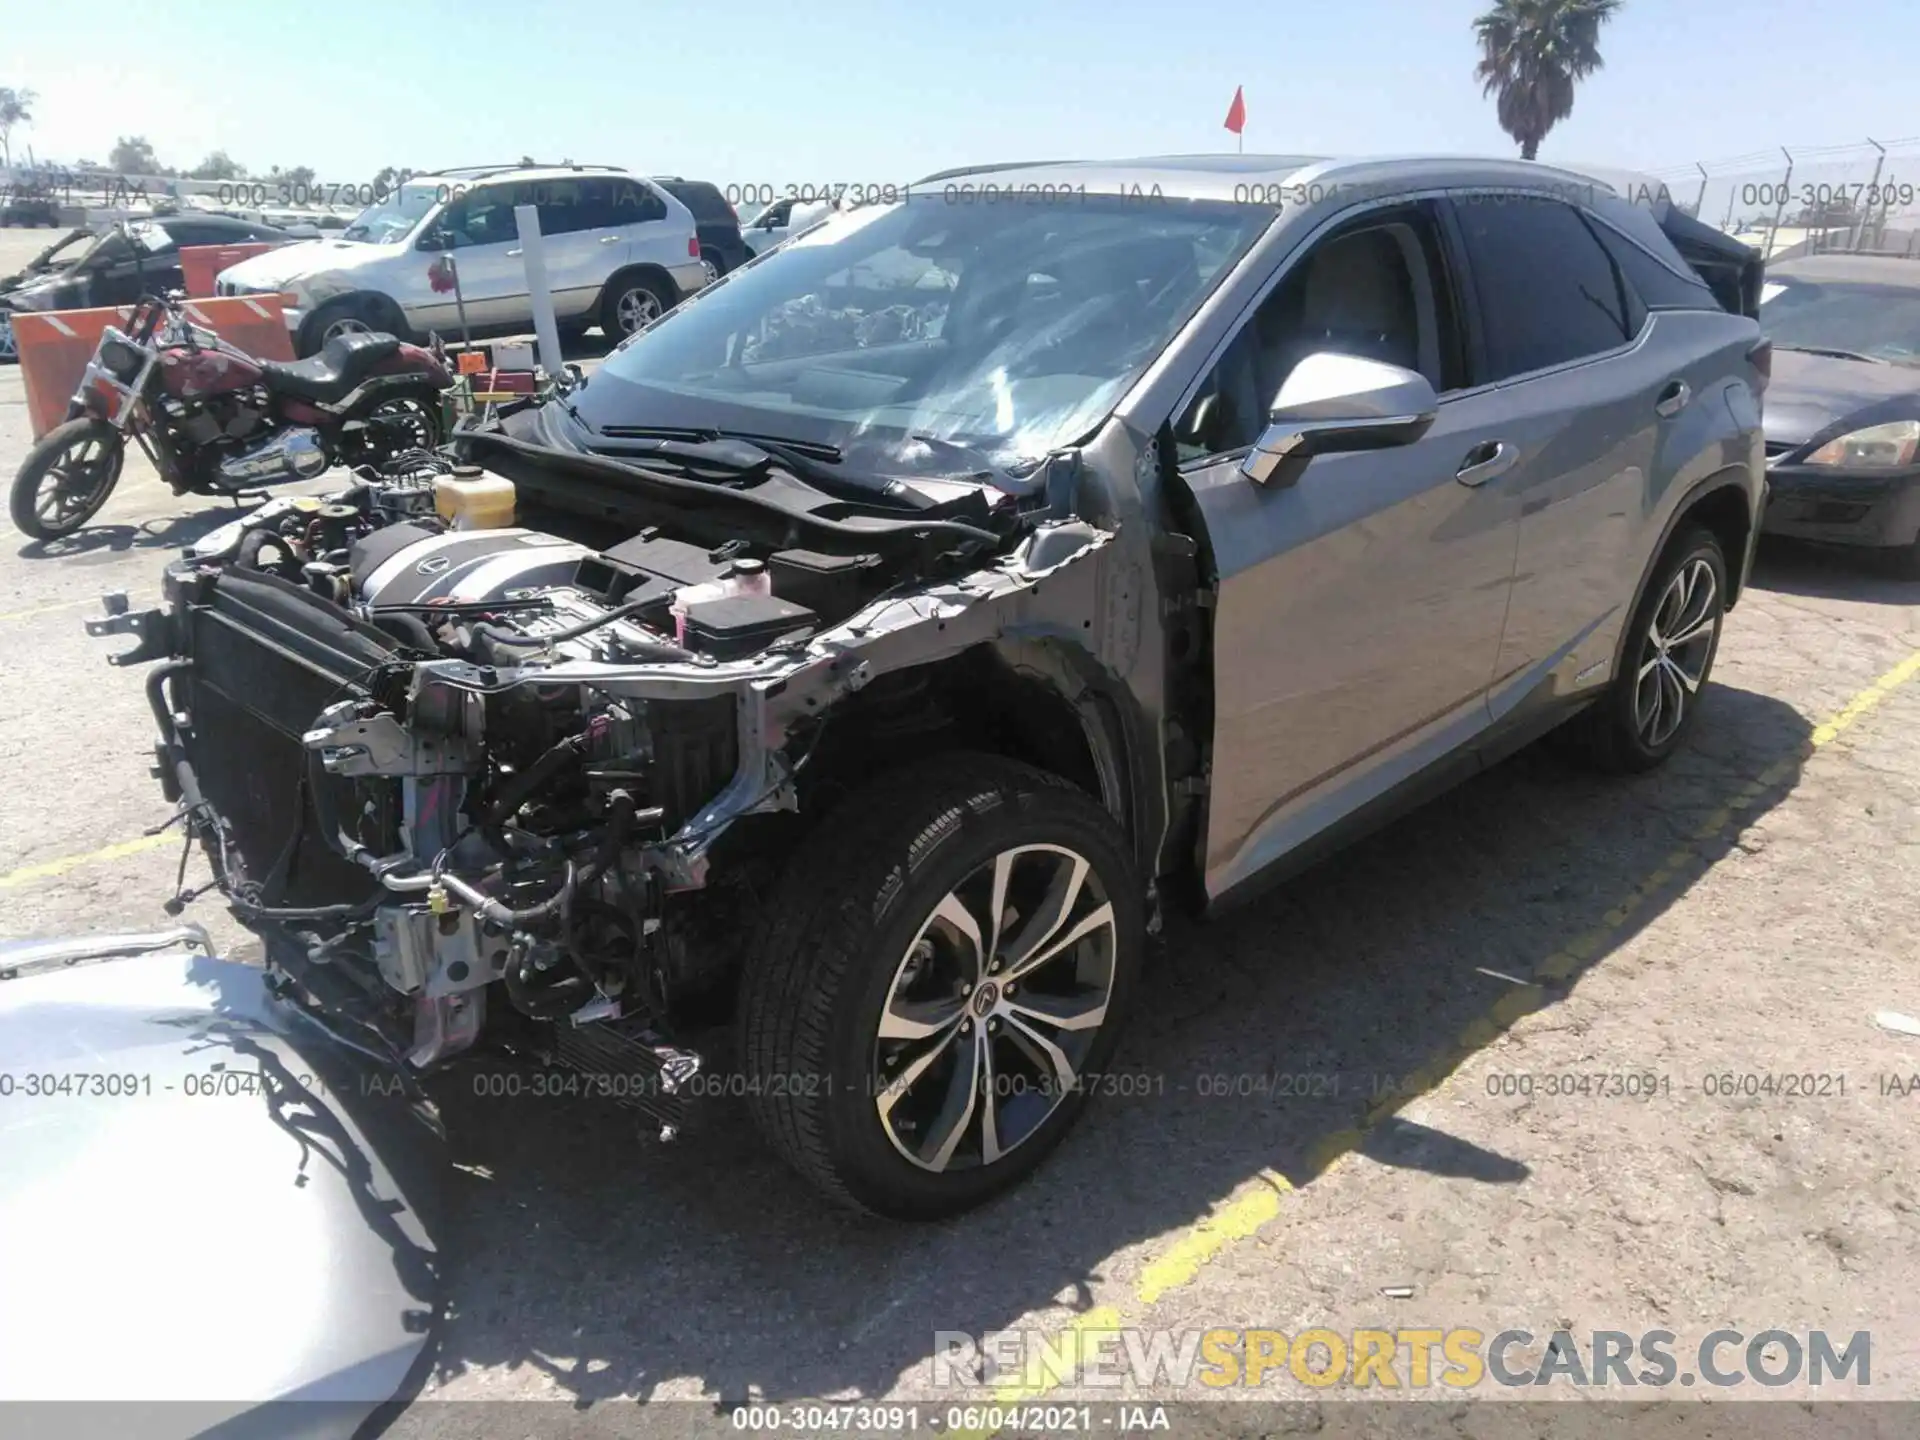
<point x="471" y="499"/>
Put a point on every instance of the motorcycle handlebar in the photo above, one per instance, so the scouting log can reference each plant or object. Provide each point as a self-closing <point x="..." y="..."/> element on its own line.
<point x="147" y="311"/>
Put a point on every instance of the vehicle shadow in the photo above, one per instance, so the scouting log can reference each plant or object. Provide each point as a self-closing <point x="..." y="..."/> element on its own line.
<point x="598" y="1266"/>
<point x="169" y="533"/>
<point x="1800" y="567"/>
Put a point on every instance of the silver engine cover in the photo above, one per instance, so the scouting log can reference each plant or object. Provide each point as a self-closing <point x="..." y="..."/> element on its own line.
<point x="290" y="455"/>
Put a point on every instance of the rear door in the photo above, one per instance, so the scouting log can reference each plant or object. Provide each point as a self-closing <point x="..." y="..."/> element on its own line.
<point x="655" y="230"/>
<point x="582" y="239"/>
<point x="1359" y="610"/>
<point x="1580" y="392"/>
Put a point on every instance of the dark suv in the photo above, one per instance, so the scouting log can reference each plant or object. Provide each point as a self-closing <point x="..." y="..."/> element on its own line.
<point x="715" y="220"/>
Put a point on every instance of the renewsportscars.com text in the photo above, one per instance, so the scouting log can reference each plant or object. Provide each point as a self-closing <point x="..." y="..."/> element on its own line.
<point x="1402" y="1359"/>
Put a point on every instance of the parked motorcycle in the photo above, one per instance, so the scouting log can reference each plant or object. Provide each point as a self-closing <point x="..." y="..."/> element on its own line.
<point x="216" y="421"/>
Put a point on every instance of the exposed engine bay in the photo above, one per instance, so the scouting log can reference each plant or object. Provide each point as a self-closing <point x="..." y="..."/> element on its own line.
<point x="506" y="738"/>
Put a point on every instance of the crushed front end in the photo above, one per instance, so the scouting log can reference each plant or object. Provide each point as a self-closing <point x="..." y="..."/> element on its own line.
<point x="470" y="782"/>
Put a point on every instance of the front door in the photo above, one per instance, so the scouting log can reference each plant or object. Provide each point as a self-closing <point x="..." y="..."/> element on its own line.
<point x="1359" y="609"/>
<point x="485" y="245"/>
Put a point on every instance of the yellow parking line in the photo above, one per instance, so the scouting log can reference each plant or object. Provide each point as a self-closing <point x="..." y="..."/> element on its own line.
<point x="48" y="870"/>
<point x="1257" y="1202"/>
<point x="45" y="609"/>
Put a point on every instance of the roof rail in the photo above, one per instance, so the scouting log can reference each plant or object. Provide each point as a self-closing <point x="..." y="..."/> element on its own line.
<point x="470" y="170"/>
<point x="960" y="170"/>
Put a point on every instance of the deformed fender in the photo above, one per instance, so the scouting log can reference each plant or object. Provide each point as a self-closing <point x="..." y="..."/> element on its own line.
<point x="1116" y="732"/>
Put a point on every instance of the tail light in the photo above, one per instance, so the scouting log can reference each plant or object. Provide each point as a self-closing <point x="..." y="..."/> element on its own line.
<point x="693" y="247"/>
<point x="1761" y="358"/>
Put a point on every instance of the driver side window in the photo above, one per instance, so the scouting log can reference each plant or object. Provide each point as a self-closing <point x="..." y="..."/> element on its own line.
<point x="1377" y="288"/>
<point x="481" y="217"/>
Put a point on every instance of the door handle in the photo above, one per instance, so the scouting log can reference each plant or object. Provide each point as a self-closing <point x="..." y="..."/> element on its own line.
<point x="1673" y="399"/>
<point x="1483" y="462"/>
<point x="513" y="252"/>
<point x="609" y="239"/>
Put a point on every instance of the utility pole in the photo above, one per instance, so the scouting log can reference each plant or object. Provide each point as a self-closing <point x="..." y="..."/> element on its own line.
<point x="1861" y="212"/>
<point x="1700" y="201"/>
<point x="1773" y="235"/>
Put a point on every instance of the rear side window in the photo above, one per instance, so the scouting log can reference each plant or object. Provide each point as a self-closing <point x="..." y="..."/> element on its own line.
<point x="1548" y="292"/>
<point x="1660" y="287"/>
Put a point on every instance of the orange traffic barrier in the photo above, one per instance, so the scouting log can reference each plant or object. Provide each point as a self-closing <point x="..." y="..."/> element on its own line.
<point x="201" y="264"/>
<point x="55" y="345"/>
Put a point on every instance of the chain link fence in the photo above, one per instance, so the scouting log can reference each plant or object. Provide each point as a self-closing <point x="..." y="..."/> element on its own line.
<point x="1800" y="200"/>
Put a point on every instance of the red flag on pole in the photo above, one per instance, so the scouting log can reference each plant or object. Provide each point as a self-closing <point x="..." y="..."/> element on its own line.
<point x="1237" y="112"/>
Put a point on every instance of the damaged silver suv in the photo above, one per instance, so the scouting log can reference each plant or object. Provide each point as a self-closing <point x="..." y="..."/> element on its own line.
<point x="873" y="646"/>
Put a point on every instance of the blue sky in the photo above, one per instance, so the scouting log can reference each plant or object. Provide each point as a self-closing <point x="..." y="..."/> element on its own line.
<point x="852" y="91"/>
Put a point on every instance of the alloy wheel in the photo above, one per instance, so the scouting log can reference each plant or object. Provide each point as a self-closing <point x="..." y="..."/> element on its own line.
<point x="1678" y="648"/>
<point x="345" y="325"/>
<point x="7" y="348"/>
<point x="637" y="308"/>
<point x="70" y="489"/>
<point x="992" y="1011"/>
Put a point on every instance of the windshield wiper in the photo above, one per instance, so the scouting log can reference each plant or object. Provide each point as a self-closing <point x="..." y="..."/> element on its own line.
<point x="805" y="460"/>
<point x="1832" y="354"/>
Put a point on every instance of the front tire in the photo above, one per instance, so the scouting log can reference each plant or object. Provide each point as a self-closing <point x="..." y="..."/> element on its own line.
<point x="1671" y="642"/>
<point x="66" y="478"/>
<point x="337" y="317"/>
<point x="944" y="967"/>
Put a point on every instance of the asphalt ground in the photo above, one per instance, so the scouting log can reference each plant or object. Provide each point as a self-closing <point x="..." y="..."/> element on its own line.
<point x="1555" y="1053"/>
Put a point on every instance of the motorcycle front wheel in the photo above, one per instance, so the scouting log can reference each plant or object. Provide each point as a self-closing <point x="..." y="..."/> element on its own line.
<point x="66" y="478"/>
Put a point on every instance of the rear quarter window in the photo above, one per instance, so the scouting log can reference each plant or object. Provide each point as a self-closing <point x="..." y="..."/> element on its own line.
<point x="635" y="202"/>
<point x="1659" y="284"/>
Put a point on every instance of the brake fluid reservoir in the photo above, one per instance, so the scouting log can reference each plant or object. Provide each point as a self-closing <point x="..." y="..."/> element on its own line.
<point x="471" y="499"/>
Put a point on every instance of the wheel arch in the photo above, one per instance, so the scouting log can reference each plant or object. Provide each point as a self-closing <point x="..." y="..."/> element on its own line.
<point x="1720" y="503"/>
<point x="1034" y="699"/>
<point x="384" y="312"/>
<point x="642" y="270"/>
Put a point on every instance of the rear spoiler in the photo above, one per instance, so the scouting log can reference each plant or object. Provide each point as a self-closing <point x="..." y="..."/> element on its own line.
<point x="1733" y="271"/>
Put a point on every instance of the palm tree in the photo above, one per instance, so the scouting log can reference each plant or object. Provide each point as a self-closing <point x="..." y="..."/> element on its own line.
<point x="16" y="108"/>
<point x="1532" y="54"/>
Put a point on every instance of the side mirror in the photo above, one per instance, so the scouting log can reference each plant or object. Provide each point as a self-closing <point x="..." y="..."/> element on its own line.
<point x="1337" y="402"/>
<point x="435" y="240"/>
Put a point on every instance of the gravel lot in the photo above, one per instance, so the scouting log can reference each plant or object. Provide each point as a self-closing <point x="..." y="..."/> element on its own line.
<point x="1747" y="911"/>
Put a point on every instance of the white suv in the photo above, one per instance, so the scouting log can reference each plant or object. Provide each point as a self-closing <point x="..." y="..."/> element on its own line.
<point x="620" y="251"/>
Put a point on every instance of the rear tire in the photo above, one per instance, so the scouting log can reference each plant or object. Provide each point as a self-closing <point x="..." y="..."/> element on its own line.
<point x="871" y="1033"/>
<point x="66" y="478"/>
<point x="631" y="301"/>
<point x="1651" y="705"/>
<point x="418" y="415"/>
